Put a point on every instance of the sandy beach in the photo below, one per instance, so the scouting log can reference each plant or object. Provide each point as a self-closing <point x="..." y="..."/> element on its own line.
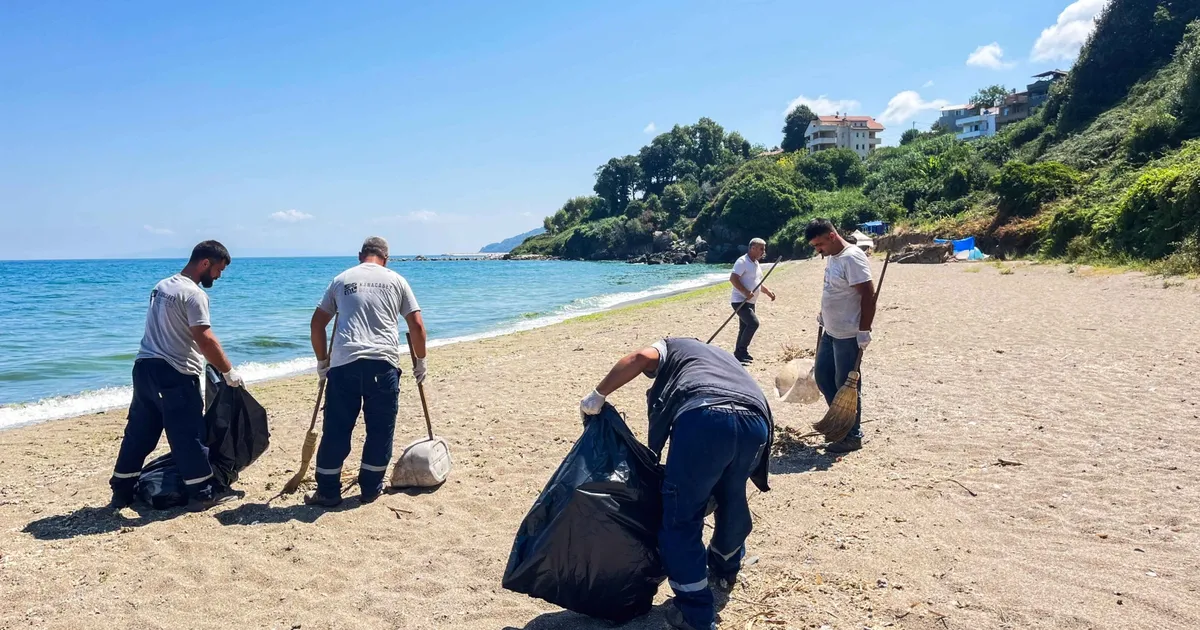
<point x="1084" y="378"/>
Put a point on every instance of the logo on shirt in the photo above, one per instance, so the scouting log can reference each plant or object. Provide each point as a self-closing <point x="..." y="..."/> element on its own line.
<point x="350" y="289"/>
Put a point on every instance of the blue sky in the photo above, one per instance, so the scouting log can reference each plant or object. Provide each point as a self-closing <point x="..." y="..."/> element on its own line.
<point x="291" y="128"/>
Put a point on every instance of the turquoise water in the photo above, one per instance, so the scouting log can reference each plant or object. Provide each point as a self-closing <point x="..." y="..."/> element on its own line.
<point x="69" y="330"/>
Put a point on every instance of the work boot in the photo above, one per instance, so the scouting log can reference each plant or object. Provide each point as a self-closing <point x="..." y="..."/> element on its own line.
<point x="723" y="584"/>
<point x="209" y="500"/>
<point x="744" y="359"/>
<point x="316" y="499"/>
<point x="675" y="619"/>
<point x="121" y="499"/>
<point x="369" y="497"/>
<point x="847" y="445"/>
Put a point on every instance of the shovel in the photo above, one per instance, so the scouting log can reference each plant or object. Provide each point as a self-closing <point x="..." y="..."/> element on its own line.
<point x="426" y="462"/>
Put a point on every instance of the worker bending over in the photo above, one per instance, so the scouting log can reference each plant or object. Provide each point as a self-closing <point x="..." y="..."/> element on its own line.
<point x="720" y="428"/>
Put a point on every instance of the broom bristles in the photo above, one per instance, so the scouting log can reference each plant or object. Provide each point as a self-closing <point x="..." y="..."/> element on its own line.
<point x="843" y="412"/>
<point x="306" y="454"/>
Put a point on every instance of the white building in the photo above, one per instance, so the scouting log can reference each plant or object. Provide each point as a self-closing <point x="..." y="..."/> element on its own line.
<point x="857" y="133"/>
<point x="981" y="125"/>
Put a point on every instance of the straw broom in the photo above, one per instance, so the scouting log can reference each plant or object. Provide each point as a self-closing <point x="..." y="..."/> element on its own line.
<point x="843" y="411"/>
<point x="310" y="440"/>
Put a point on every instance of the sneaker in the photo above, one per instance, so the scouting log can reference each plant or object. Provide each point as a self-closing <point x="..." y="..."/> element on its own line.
<point x="120" y="500"/>
<point x="315" y="498"/>
<point x="847" y="445"/>
<point x="744" y="359"/>
<point x="675" y="618"/>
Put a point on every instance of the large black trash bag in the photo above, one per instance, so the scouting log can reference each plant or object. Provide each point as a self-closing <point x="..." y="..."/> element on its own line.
<point x="237" y="434"/>
<point x="590" y="542"/>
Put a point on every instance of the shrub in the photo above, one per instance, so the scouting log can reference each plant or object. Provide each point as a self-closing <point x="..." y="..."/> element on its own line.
<point x="1160" y="211"/>
<point x="1149" y="134"/>
<point x="1023" y="188"/>
<point x="789" y="241"/>
<point x="760" y="204"/>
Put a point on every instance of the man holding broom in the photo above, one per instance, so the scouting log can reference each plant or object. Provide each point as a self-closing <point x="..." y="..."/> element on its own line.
<point x="363" y="371"/>
<point x="847" y="311"/>
<point x="721" y="431"/>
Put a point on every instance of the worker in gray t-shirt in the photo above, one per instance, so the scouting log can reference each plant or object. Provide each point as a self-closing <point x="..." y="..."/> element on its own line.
<point x="364" y="370"/>
<point x="166" y="381"/>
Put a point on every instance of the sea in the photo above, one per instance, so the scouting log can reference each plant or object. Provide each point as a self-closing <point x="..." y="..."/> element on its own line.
<point x="69" y="330"/>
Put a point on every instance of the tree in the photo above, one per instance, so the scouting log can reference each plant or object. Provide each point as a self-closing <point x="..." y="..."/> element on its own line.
<point x="909" y="136"/>
<point x="793" y="129"/>
<point x="991" y="96"/>
<point x="674" y="199"/>
<point x="616" y="182"/>
<point x="738" y="145"/>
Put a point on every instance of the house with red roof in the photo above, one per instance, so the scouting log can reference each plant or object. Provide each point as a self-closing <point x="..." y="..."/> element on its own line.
<point x="857" y="133"/>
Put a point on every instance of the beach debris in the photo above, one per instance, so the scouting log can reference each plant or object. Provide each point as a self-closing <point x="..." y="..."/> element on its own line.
<point x="1009" y="462"/>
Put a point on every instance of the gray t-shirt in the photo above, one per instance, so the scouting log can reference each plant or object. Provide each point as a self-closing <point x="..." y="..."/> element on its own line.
<point x="176" y="305"/>
<point x="841" y="305"/>
<point x="369" y="301"/>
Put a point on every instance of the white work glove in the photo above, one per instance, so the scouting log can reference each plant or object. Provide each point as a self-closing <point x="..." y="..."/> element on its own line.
<point x="591" y="404"/>
<point x="233" y="378"/>
<point x="419" y="370"/>
<point x="323" y="369"/>
<point x="864" y="339"/>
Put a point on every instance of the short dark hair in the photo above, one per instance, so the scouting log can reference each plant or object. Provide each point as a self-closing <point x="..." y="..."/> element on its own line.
<point x="209" y="250"/>
<point x="818" y="227"/>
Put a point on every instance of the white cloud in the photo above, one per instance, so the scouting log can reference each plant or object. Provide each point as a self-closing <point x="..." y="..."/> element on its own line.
<point x="823" y="106"/>
<point x="290" y="216"/>
<point x="420" y="216"/>
<point x="650" y="128"/>
<point x="906" y="105"/>
<point x="526" y="214"/>
<point x="928" y="84"/>
<point x="1062" y="41"/>
<point x="989" y="56"/>
<point x="157" y="230"/>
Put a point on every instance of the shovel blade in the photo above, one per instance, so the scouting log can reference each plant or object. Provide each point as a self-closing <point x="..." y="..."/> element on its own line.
<point x="423" y="464"/>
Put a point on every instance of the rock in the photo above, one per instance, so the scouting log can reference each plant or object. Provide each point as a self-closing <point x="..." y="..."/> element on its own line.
<point x="701" y="245"/>
<point x="663" y="241"/>
<point x="931" y="254"/>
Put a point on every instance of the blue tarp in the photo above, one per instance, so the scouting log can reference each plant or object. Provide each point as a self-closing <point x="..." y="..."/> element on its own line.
<point x="873" y="227"/>
<point x="961" y="245"/>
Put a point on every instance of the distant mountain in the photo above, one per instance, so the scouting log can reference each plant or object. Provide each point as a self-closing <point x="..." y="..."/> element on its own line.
<point x="508" y="244"/>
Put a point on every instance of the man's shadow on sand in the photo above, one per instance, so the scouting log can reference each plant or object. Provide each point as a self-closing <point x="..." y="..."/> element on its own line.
<point x="88" y="521"/>
<point x="259" y="513"/>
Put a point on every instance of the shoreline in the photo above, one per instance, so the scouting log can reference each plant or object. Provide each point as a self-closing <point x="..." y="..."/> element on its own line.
<point x="306" y="364"/>
<point x="926" y="519"/>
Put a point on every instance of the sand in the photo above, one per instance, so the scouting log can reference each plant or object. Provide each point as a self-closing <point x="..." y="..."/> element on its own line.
<point x="1086" y="378"/>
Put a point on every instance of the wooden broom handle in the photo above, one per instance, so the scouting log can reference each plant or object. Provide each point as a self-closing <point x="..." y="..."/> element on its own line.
<point x="321" y="387"/>
<point x="420" y="387"/>
<point x="878" y="288"/>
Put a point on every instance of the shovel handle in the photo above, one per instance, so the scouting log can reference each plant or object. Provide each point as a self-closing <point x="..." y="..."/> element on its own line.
<point x="420" y="387"/>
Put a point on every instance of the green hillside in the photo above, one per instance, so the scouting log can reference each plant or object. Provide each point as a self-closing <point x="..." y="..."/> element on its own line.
<point x="1108" y="169"/>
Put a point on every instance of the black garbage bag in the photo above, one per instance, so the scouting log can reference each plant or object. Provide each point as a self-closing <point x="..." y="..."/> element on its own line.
<point x="237" y="434"/>
<point x="590" y="542"/>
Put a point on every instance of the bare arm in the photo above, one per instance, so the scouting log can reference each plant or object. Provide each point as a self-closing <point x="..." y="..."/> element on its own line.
<point x="416" y="331"/>
<point x="627" y="369"/>
<point x="210" y="347"/>
<point x="736" y="280"/>
<point x="320" y="341"/>
<point x="866" y="295"/>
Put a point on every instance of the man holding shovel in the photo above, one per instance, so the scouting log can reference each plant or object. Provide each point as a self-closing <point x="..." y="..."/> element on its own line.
<point x="363" y="372"/>
<point x="747" y="274"/>
<point x="721" y="431"/>
<point x="847" y="311"/>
